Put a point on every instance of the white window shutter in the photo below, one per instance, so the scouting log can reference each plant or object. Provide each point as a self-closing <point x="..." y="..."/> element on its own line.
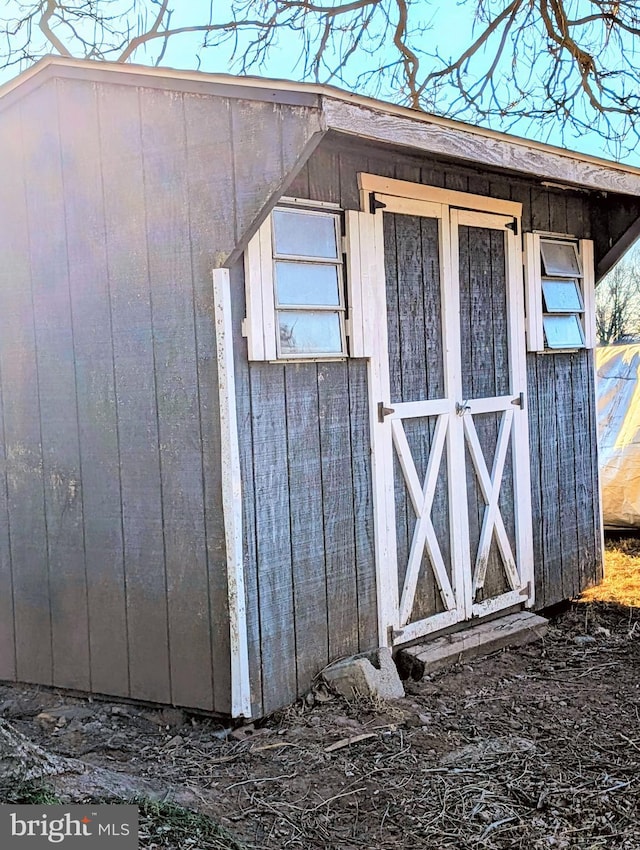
<point x="588" y="292"/>
<point x="258" y="282"/>
<point x="533" y="292"/>
<point x="354" y="264"/>
<point x="365" y="276"/>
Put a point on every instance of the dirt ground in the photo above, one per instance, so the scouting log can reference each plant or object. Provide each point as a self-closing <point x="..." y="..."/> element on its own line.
<point x="537" y="747"/>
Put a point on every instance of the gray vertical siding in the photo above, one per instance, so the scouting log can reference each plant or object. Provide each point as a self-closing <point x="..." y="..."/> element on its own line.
<point x="55" y="367"/>
<point x="307" y="492"/>
<point x="116" y="202"/>
<point x="307" y="516"/>
<point x="95" y="388"/>
<point x="562" y="408"/>
<point x="26" y="631"/>
<point x="563" y="435"/>
<point x="308" y="519"/>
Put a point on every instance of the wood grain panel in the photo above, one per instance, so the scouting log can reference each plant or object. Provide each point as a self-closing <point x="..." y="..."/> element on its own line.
<point x="558" y="212"/>
<point x="24" y="576"/>
<point x="99" y="450"/>
<point x="476" y="348"/>
<point x="567" y="461"/>
<point x="582" y="457"/>
<point x="273" y="537"/>
<point x="7" y="619"/>
<point x="57" y="390"/>
<point x="577" y="216"/>
<point x="415" y="342"/>
<point x="349" y="165"/>
<point x="137" y="409"/>
<point x="257" y="158"/>
<point x="176" y="376"/>
<point x="299" y="186"/>
<point x="298" y="140"/>
<point x="324" y="162"/>
<point x="337" y="490"/>
<point x="307" y="522"/>
<point x="521" y="193"/>
<point x="403" y="510"/>
<point x="549" y="485"/>
<point x="540" y="213"/>
<point x="210" y="198"/>
<point x="434" y="365"/>
<point x="363" y="505"/>
<point x="456" y="180"/>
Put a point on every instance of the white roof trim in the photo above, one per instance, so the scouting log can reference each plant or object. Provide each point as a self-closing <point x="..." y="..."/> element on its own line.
<point x="376" y="120"/>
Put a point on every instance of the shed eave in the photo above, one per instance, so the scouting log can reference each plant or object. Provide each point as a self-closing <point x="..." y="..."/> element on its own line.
<point x="367" y="118"/>
<point x="434" y="135"/>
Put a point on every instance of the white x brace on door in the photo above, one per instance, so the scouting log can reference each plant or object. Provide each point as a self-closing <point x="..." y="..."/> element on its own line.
<point x="443" y="322"/>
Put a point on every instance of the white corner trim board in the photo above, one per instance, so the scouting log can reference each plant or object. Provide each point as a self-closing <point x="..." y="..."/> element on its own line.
<point x="231" y="497"/>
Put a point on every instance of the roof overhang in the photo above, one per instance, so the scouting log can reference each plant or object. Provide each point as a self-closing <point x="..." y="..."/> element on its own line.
<point x="365" y="118"/>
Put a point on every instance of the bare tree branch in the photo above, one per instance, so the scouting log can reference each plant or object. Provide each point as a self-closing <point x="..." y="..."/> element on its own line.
<point x="44" y="26"/>
<point x="409" y="59"/>
<point x="565" y="66"/>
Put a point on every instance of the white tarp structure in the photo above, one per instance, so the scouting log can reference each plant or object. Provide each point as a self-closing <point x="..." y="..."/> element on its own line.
<point x="618" y="389"/>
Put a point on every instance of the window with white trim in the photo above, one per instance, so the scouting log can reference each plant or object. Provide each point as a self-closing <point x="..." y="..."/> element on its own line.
<point x="560" y="293"/>
<point x="295" y="288"/>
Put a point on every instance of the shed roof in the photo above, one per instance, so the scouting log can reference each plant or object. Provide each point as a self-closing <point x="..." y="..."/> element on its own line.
<point x="364" y="117"/>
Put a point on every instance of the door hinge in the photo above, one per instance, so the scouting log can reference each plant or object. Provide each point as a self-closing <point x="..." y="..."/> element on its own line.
<point x="513" y="225"/>
<point x="518" y="401"/>
<point x="384" y="411"/>
<point x="375" y="204"/>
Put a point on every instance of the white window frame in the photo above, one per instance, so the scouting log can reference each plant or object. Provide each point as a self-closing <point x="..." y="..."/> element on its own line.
<point x="534" y="276"/>
<point x="261" y="322"/>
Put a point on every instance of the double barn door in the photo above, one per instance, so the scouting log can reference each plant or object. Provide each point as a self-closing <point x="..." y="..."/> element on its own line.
<point x="449" y="422"/>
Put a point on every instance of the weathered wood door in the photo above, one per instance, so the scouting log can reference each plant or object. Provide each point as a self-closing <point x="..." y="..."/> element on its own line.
<point x="451" y="430"/>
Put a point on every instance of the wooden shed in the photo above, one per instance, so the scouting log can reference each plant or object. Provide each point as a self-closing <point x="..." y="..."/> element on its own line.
<point x="286" y="374"/>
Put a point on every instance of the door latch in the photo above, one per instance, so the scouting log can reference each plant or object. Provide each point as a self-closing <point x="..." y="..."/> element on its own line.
<point x="462" y="407"/>
<point x="384" y="411"/>
<point x="518" y="401"/>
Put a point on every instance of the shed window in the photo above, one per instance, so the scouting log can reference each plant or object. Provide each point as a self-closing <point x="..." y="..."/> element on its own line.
<point x="295" y="286"/>
<point x="560" y="258"/>
<point x="560" y="293"/>
<point x="563" y="331"/>
<point x="561" y="296"/>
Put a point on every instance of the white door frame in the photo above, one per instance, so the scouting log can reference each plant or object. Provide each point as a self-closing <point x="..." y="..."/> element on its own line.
<point x="386" y="427"/>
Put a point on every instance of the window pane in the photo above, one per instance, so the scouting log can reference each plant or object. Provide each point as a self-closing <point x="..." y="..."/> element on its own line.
<point x="310" y="333"/>
<point x="305" y="234"/>
<point x="563" y="332"/>
<point x="307" y="283"/>
<point x="561" y="296"/>
<point x="560" y="258"/>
